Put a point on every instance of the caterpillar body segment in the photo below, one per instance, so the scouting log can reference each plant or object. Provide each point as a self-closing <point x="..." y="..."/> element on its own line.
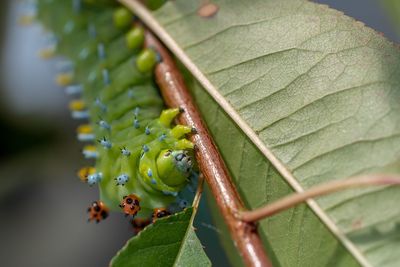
<point x="137" y="155"/>
<point x="143" y="160"/>
<point x="78" y="30"/>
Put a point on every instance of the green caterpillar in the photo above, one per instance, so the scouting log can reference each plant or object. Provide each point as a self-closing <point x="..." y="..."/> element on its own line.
<point x="142" y="160"/>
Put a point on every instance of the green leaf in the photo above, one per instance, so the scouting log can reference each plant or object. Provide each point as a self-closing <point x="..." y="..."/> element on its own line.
<point x="305" y="95"/>
<point x="169" y="241"/>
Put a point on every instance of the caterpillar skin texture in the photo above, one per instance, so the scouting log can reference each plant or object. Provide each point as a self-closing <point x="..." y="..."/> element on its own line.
<point x="142" y="160"/>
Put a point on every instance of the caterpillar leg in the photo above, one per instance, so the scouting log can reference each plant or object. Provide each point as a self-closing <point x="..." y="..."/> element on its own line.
<point x="97" y="211"/>
<point x="159" y="213"/>
<point x="139" y="224"/>
<point x="130" y="204"/>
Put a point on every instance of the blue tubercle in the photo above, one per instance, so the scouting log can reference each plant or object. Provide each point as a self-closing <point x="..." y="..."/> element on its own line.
<point x="136" y="123"/>
<point x="103" y="124"/>
<point x="106" y="77"/>
<point x="51" y="40"/>
<point x="81" y="114"/>
<point x="87" y="154"/>
<point x="162" y="137"/>
<point x="84" y="53"/>
<point x="146" y="148"/>
<point x="105" y="143"/>
<point x="183" y="203"/>
<point x="77" y="5"/>
<point x="92" y="30"/>
<point x="125" y="152"/>
<point x="136" y="111"/>
<point x="94" y="178"/>
<point x="101" y="51"/>
<point x="130" y="93"/>
<point x="69" y="26"/>
<point x="100" y="104"/>
<point x="73" y="89"/>
<point x="147" y="130"/>
<point x="122" y="179"/>
<point x="65" y="66"/>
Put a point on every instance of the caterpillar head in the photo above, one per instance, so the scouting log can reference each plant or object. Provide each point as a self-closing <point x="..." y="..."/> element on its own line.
<point x="174" y="166"/>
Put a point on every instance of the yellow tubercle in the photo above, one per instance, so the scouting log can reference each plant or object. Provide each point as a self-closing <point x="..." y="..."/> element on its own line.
<point x="168" y="115"/>
<point x="84" y="129"/>
<point x="77" y="105"/>
<point x="26" y="20"/>
<point x="180" y="130"/>
<point x="47" y="53"/>
<point x="184" y="144"/>
<point x="84" y="172"/>
<point x="64" y="79"/>
<point x="90" y="148"/>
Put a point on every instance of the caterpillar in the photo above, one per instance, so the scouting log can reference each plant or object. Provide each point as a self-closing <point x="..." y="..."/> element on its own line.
<point x="142" y="160"/>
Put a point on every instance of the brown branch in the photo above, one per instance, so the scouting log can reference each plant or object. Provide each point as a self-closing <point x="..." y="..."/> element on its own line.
<point x="175" y="93"/>
<point x="319" y="190"/>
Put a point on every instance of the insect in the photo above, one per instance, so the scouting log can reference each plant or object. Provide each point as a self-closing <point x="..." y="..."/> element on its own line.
<point x="142" y="160"/>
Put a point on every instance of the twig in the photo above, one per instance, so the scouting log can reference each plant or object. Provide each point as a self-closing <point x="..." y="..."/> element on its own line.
<point x="175" y="94"/>
<point x="199" y="191"/>
<point x="319" y="190"/>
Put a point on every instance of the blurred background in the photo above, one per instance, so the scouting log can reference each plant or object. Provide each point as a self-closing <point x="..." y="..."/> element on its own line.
<point x="42" y="202"/>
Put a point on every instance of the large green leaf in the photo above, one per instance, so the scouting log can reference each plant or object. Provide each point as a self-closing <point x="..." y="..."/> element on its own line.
<point x="168" y="242"/>
<point x="305" y="95"/>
